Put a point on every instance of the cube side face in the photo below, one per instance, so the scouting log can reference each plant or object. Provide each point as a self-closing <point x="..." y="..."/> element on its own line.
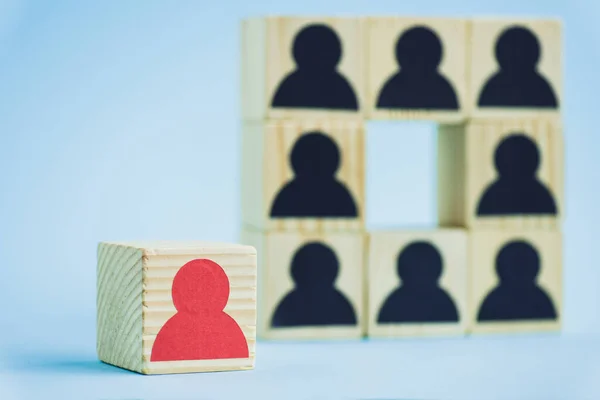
<point x="253" y="68"/>
<point x="451" y="177"/>
<point x="495" y="94"/>
<point x="395" y="309"/>
<point x="119" y="306"/>
<point x="277" y="153"/>
<point x="391" y="89"/>
<point x="531" y="147"/>
<point x="323" y="272"/>
<point x="239" y="263"/>
<point x="497" y="302"/>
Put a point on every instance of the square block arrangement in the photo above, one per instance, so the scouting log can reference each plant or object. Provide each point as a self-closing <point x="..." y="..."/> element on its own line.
<point x="311" y="284"/>
<point x="503" y="173"/>
<point x="494" y="87"/>
<point x="417" y="282"/>
<point x="515" y="281"/>
<point x="303" y="175"/>
<point x="176" y="307"/>
<point x="405" y="82"/>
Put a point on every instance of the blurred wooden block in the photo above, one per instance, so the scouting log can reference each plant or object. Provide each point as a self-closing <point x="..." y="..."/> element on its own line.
<point x="501" y="174"/>
<point x="515" y="281"/>
<point x="303" y="175"/>
<point x="417" y="69"/>
<point x="417" y="283"/>
<point x="140" y="329"/>
<point x="302" y="67"/>
<point x="311" y="285"/>
<point x="516" y="68"/>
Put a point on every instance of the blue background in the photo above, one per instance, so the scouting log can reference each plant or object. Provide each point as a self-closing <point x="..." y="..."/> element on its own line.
<point x="119" y="120"/>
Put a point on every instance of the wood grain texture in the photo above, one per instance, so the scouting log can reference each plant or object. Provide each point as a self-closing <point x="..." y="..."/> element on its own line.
<point x="466" y="168"/>
<point x="384" y="249"/>
<point x="119" y="306"/>
<point x="382" y="36"/>
<point x="484" y="33"/>
<point x="484" y="248"/>
<point x="278" y="249"/>
<point x="266" y="168"/>
<point x="267" y="58"/>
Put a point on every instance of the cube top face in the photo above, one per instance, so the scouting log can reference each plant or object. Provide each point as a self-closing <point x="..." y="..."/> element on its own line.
<point x="194" y="307"/>
<point x="515" y="281"/>
<point x="516" y="68"/>
<point x="299" y="67"/>
<point x="306" y="176"/>
<point x="417" y="283"/>
<point x="311" y="285"/>
<point x="400" y="50"/>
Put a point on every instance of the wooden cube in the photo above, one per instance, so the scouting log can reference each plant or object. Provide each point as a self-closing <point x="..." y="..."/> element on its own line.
<point x="303" y="175"/>
<point x="516" y="68"/>
<point x="311" y="285"/>
<point x="515" y="281"/>
<point x="400" y="52"/>
<point x="417" y="283"/>
<point x="176" y="307"/>
<point x="501" y="174"/>
<point x="299" y="67"/>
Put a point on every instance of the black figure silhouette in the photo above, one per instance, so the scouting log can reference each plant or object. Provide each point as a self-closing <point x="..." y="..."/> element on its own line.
<point x="314" y="191"/>
<point x="517" y="189"/>
<point x="517" y="296"/>
<point x="419" y="298"/>
<point x="517" y="83"/>
<point x="315" y="83"/>
<point x="419" y="84"/>
<point x="314" y="299"/>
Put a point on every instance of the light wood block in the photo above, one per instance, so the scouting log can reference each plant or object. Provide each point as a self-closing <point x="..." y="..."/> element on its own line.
<point x="269" y="58"/>
<point x="135" y="302"/>
<point x="394" y="91"/>
<point x="271" y="186"/>
<point x="292" y="268"/>
<point x="468" y="177"/>
<point x="528" y="94"/>
<point x="417" y="283"/>
<point x="518" y="307"/>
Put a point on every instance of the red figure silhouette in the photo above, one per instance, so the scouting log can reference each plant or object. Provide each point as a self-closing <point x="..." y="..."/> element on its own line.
<point x="200" y="330"/>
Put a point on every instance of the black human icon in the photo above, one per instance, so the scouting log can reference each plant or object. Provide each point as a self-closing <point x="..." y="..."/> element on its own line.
<point x="418" y="84"/>
<point x="314" y="301"/>
<point x="517" y="189"/>
<point x="315" y="83"/>
<point x="419" y="297"/>
<point x="314" y="191"/>
<point x="518" y="82"/>
<point x="517" y="296"/>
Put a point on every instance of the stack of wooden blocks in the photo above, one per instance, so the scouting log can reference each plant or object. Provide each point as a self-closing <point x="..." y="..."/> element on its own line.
<point x="493" y="86"/>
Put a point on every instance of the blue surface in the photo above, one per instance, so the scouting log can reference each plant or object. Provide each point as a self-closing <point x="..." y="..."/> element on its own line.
<point x="119" y="120"/>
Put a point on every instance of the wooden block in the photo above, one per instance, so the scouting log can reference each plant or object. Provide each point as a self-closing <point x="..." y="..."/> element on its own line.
<point x="311" y="285"/>
<point x="303" y="175"/>
<point x="417" y="69"/>
<point x="302" y="67"/>
<point x="151" y="316"/>
<point x="516" y="68"/>
<point x="417" y="283"/>
<point x="483" y="170"/>
<point x="515" y="281"/>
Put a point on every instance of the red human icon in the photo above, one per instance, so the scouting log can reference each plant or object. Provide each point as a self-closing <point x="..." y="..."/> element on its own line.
<point x="200" y="330"/>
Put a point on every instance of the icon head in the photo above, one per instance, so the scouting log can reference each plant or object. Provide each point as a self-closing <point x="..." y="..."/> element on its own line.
<point x="314" y="267"/>
<point x="419" y="265"/>
<point x="315" y="155"/>
<point x="517" y="50"/>
<point x="419" y="50"/>
<point x="317" y="48"/>
<point x="517" y="263"/>
<point x="200" y="286"/>
<point x="517" y="157"/>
